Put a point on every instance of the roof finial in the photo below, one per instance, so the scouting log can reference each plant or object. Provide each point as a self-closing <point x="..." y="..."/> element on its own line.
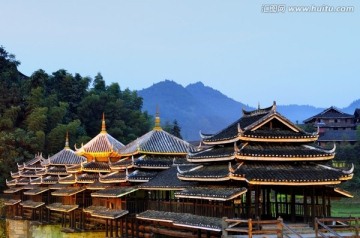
<point x="259" y="105"/>
<point x="274" y="106"/>
<point x="157" y="120"/>
<point x="103" y="125"/>
<point x="67" y="140"/>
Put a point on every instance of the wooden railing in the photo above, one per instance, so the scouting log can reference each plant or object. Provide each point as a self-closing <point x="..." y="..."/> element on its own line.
<point x="333" y="226"/>
<point x="251" y="227"/>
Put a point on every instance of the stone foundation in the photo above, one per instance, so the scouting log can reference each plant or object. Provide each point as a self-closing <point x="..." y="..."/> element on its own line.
<point x="28" y="229"/>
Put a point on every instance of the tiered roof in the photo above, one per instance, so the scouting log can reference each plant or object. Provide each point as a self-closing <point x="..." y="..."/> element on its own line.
<point x="101" y="147"/>
<point x="264" y="147"/>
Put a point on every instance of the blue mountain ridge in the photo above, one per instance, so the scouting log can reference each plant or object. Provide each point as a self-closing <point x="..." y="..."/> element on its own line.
<point x="197" y="107"/>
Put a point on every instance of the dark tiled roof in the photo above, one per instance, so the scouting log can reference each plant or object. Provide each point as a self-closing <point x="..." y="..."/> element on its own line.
<point x="159" y="142"/>
<point x="87" y="178"/>
<point x="56" y="170"/>
<point x="57" y="186"/>
<point x="338" y="135"/>
<point x="23" y="181"/>
<point x="211" y="193"/>
<point x="209" y="172"/>
<point x="115" y="177"/>
<point x="13" y="190"/>
<point x="96" y="167"/>
<point x="183" y="219"/>
<point x="69" y="191"/>
<point x="70" y="179"/>
<point x="141" y="176"/>
<point x="28" y="173"/>
<point x="216" y="153"/>
<point x="289" y="173"/>
<point x="114" y="192"/>
<point x="36" y="190"/>
<point x="73" y="168"/>
<point x="64" y="157"/>
<point x="11" y="202"/>
<point x="31" y="204"/>
<point x="331" y="112"/>
<point x="92" y="208"/>
<point x="282" y="151"/>
<point x="154" y="162"/>
<point x="278" y="133"/>
<point x="121" y="164"/>
<point x="167" y="180"/>
<point x="97" y="186"/>
<point x="61" y="207"/>
<point x="109" y="213"/>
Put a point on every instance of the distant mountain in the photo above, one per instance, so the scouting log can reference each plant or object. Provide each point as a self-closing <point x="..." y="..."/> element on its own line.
<point x="197" y="107"/>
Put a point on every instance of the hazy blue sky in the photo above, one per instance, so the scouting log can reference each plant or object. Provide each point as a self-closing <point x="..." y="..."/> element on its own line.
<point x="233" y="46"/>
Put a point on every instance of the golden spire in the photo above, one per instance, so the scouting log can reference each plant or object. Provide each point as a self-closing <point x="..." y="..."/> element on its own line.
<point x="157" y="120"/>
<point x="67" y="140"/>
<point x="103" y="125"/>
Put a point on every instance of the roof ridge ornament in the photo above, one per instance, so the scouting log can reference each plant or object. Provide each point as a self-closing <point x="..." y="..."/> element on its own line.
<point x="157" y="126"/>
<point x="273" y="108"/>
<point x="179" y="170"/>
<point x="231" y="170"/>
<point x="240" y="131"/>
<point x="103" y="124"/>
<point x="67" y="141"/>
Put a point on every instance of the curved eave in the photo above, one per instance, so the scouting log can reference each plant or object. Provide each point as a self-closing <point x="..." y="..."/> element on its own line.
<point x="138" y="180"/>
<point x="295" y="183"/>
<point x="203" y="178"/>
<point x="211" y="159"/>
<point x="113" y="181"/>
<point x="222" y="141"/>
<point x="212" y="198"/>
<point x="278" y="139"/>
<point x="161" y="152"/>
<point x="343" y="192"/>
<point x="152" y="167"/>
<point x="97" y="170"/>
<point x="120" y="167"/>
<point x="283" y="158"/>
<point x="197" y="227"/>
<point x="162" y="188"/>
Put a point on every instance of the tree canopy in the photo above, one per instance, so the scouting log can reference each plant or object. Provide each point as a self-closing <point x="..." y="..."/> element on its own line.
<point x="37" y="111"/>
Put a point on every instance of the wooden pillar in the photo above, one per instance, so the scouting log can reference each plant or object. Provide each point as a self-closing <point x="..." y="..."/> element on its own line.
<point x="248" y="202"/>
<point x="292" y="206"/>
<point x="199" y="233"/>
<point x="268" y="202"/>
<point x="312" y="204"/>
<point x="306" y="210"/>
<point x="323" y="202"/>
<point x="329" y="206"/>
<point x="126" y="228"/>
<point x="276" y="204"/>
<point x="106" y="228"/>
<point x="257" y="204"/>
<point x="111" y="228"/>
<point x="121" y="228"/>
<point x="116" y="228"/>
<point x="264" y="200"/>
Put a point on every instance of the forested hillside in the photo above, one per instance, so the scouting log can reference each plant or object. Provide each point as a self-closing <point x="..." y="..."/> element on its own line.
<point x="36" y="112"/>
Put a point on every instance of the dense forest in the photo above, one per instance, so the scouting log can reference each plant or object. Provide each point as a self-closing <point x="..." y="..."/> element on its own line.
<point x="37" y="111"/>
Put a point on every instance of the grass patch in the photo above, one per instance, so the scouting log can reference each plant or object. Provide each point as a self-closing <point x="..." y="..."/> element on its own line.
<point x="346" y="208"/>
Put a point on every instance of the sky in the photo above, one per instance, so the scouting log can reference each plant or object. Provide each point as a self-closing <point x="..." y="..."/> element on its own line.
<point x="252" y="51"/>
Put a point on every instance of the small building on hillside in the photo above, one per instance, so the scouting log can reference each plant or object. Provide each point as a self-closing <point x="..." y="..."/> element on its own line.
<point x="334" y="126"/>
